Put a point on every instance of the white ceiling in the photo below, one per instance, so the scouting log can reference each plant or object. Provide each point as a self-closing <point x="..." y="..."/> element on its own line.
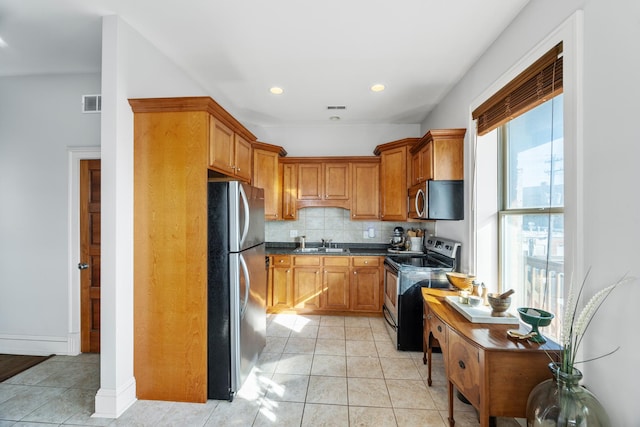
<point x="326" y="52"/>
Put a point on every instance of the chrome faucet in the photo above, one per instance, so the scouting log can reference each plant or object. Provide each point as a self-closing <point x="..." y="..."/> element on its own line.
<point x="326" y="243"/>
<point x="302" y="241"/>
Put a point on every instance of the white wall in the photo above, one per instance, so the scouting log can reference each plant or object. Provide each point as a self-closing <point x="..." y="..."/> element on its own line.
<point x="335" y="139"/>
<point x="40" y="116"/>
<point x="132" y="68"/>
<point x="605" y="213"/>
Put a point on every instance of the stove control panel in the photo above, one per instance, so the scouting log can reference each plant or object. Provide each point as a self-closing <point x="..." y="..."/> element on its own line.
<point x="444" y="247"/>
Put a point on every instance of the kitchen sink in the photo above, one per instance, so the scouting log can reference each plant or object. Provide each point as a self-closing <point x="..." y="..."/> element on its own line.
<point x="322" y="250"/>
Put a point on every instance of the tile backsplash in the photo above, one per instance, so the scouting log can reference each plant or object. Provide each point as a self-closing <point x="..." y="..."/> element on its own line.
<point x="336" y="224"/>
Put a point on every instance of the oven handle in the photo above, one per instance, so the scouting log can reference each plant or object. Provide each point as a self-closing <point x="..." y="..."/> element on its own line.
<point x="385" y="310"/>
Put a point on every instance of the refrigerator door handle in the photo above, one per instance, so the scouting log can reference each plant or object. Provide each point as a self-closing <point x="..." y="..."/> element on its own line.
<point x="247" y="286"/>
<point x="247" y="214"/>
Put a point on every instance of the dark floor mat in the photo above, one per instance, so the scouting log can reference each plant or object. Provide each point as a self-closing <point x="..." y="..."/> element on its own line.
<point x="13" y="364"/>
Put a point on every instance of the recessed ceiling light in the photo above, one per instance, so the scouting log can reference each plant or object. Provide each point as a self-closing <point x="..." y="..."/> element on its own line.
<point x="377" y="87"/>
<point x="276" y="90"/>
<point x="334" y="118"/>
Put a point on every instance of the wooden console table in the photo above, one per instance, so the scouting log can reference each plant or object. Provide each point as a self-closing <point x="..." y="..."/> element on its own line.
<point x="492" y="371"/>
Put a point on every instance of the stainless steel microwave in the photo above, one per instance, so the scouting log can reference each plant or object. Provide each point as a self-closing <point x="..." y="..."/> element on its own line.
<point x="437" y="200"/>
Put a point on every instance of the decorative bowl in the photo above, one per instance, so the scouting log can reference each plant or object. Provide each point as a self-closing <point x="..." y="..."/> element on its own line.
<point x="460" y="280"/>
<point x="499" y="305"/>
<point x="536" y="318"/>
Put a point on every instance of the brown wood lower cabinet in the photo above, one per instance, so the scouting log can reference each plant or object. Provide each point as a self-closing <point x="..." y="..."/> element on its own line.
<point x="324" y="284"/>
<point x="495" y="373"/>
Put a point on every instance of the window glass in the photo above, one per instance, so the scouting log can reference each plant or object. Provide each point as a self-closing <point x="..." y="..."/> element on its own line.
<point x="532" y="218"/>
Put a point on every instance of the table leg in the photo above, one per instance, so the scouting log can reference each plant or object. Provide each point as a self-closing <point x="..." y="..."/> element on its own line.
<point x="452" y="422"/>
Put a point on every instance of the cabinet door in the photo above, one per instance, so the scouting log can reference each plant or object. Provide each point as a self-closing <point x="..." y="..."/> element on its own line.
<point x="282" y="294"/>
<point x="366" y="283"/>
<point x="307" y="287"/>
<point x="416" y="169"/>
<point x="463" y="367"/>
<point x="426" y="161"/>
<point x="289" y="191"/>
<point x="310" y="181"/>
<point x="393" y="183"/>
<point x="335" y="283"/>
<point x="265" y="175"/>
<point x="447" y="159"/>
<point x="336" y="181"/>
<point x="221" y="147"/>
<point x="242" y="158"/>
<point x="365" y="194"/>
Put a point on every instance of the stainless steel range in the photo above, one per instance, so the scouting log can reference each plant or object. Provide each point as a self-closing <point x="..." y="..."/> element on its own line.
<point x="405" y="276"/>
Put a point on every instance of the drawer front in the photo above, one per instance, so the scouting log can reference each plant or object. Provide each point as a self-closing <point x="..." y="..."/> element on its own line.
<point x="464" y="367"/>
<point x="366" y="261"/>
<point x="336" y="261"/>
<point x="438" y="329"/>
<point x="281" y="261"/>
<point x="306" y="260"/>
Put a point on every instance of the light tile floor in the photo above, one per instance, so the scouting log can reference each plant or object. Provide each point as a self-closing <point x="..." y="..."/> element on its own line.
<point x="314" y="371"/>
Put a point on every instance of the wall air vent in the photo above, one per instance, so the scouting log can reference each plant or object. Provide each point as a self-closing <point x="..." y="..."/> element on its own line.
<point x="91" y="103"/>
<point x="336" y="107"/>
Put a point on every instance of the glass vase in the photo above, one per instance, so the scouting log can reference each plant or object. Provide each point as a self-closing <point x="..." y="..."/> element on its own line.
<point x="563" y="402"/>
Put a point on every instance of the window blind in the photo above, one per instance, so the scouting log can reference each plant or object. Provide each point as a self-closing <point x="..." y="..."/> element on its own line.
<point x="538" y="83"/>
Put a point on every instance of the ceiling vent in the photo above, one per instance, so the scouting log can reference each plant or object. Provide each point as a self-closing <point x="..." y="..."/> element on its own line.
<point x="336" y="107"/>
<point x="91" y="103"/>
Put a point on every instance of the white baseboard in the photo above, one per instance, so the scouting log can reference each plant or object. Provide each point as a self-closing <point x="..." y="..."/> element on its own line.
<point x="112" y="403"/>
<point x="39" y="345"/>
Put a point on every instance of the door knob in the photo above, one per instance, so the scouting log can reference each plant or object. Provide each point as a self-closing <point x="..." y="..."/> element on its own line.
<point x="83" y="266"/>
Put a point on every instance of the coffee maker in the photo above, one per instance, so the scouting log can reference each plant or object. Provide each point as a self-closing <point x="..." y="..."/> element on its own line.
<point x="398" y="239"/>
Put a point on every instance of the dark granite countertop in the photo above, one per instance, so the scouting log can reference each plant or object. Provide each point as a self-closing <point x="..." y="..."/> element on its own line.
<point x="355" y="249"/>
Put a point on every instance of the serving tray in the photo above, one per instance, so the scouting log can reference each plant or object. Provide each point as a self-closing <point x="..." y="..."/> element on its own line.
<point x="480" y="314"/>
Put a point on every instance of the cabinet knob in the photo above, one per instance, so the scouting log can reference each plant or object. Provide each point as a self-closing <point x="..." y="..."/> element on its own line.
<point x="439" y="328"/>
<point x="461" y="364"/>
<point x="281" y="260"/>
<point x="355" y="272"/>
<point x="366" y="262"/>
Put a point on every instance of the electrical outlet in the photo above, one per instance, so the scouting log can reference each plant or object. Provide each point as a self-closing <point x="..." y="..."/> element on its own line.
<point x="293" y="233"/>
<point x="365" y="234"/>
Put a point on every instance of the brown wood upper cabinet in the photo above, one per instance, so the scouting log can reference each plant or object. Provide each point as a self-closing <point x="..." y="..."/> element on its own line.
<point x="327" y="182"/>
<point x="344" y="182"/>
<point x="229" y="152"/>
<point x="365" y="191"/>
<point x="266" y="175"/>
<point x="438" y="156"/>
<point x="394" y="178"/>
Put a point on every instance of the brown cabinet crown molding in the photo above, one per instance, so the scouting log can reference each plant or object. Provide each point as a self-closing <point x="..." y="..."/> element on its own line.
<point x="331" y="159"/>
<point x="437" y="134"/>
<point x="394" y="144"/>
<point x="280" y="151"/>
<point x="193" y="103"/>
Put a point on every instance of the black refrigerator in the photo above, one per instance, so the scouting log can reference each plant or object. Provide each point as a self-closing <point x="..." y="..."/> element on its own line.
<point x="237" y="285"/>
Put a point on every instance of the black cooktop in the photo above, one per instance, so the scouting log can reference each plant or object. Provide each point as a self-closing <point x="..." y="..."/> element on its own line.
<point x="416" y="260"/>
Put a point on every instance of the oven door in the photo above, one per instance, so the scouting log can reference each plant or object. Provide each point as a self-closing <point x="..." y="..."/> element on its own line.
<point x="418" y="201"/>
<point x="390" y="305"/>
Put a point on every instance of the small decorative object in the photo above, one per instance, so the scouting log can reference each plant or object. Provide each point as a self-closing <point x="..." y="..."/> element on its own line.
<point x="463" y="297"/>
<point x="499" y="305"/>
<point x="536" y="318"/>
<point x="562" y="401"/>
<point x="474" y="300"/>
